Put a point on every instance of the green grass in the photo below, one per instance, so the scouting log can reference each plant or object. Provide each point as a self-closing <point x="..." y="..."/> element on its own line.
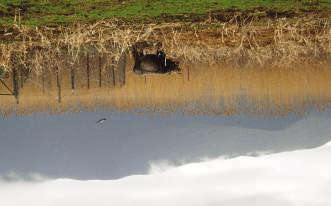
<point x="62" y="12"/>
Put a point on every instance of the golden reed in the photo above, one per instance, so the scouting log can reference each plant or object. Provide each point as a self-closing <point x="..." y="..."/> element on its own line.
<point x="200" y="89"/>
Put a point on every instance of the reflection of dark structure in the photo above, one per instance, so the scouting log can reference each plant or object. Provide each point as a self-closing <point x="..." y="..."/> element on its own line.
<point x="14" y="91"/>
<point x="143" y="63"/>
<point x="3" y="74"/>
<point x="120" y="72"/>
<point x="152" y="63"/>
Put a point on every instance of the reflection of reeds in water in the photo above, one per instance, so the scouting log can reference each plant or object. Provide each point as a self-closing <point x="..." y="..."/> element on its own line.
<point x="285" y="90"/>
<point x="207" y="90"/>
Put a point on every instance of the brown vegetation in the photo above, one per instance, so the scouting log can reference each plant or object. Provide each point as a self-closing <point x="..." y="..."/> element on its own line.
<point x="276" y="66"/>
<point x="199" y="90"/>
<point x="237" y="43"/>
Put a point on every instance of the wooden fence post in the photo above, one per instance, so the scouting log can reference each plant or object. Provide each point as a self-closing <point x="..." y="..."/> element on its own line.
<point x="43" y="78"/>
<point x="72" y="77"/>
<point x="88" y="70"/>
<point x="114" y="75"/>
<point x="15" y="85"/>
<point x="58" y="83"/>
<point x="112" y="72"/>
<point x="100" y="70"/>
<point x="111" y="76"/>
<point x="108" y="73"/>
<point x="21" y="77"/>
<point x="121" y="69"/>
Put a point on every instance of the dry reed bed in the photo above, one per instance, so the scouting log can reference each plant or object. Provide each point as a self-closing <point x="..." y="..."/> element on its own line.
<point x="239" y="44"/>
<point x="247" y="67"/>
<point x="209" y="90"/>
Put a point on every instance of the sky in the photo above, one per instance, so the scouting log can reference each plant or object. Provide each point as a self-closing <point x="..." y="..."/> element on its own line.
<point x="152" y="159"/>
<point x="74" y="146"/>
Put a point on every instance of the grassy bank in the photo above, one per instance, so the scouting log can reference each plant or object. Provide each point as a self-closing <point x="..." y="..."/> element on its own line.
<point x="64" y="12"/>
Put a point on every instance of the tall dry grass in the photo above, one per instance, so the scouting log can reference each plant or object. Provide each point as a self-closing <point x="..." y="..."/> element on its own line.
<point x="239" y="44"/>
<point x="278" y="66"/>
<point x="204" y="90"/>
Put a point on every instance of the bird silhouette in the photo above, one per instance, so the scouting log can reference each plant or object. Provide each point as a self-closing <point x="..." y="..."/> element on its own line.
<point x="101" y="121"/>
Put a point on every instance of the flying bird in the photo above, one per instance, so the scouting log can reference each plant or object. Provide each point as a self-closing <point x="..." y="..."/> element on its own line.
<point x="101" y="121"/>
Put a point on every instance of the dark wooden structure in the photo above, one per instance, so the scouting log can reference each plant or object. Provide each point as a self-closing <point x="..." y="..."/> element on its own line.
<point x="152" y="63"/>
<point x="14" y="90"/>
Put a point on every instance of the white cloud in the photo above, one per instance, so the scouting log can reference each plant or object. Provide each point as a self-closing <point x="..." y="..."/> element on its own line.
<point x="160" y="166"/>
<point x="300" y="178"/>
<point x="15" y="177"/>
